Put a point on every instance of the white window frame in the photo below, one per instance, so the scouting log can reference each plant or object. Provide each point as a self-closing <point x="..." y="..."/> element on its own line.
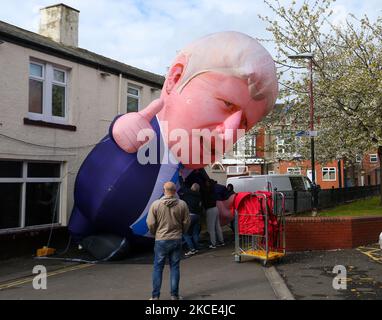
<point x="47" y="103"/>
<point x="251" y="140"/>
<point x="358" y="158"/>
<point x="60" y="84"/>
<point x="373" y="156"/>
<point x="138" y="97"/>
<point x="280" y="149"/>
<point x="23" y="180"/>
<point x="34" y="115"/>
<point x="239" y="147"/>
<point x="280" y="143"/>
<point x="236" y="171"/>
<point x="329" y="170"/>
<point x="219" y="165"/>
<point x="294" y="170"/>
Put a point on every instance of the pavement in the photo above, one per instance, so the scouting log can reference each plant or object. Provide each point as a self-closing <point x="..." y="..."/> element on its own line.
<point x="309" y="275"/>
<point x="209" y="275"/>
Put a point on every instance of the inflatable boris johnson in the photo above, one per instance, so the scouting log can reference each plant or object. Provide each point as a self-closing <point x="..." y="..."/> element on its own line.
<point x="217" y="88"/>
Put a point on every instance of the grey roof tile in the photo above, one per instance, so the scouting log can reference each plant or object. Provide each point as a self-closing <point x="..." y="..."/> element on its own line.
<point x="38" y="42"/>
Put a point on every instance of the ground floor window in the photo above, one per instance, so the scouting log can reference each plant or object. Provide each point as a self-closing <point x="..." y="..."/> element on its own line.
<point x="232" y="170"/>
<point x="294" y="170"/>
<point x="29" y="193"/>
<point x="329" y="174"/>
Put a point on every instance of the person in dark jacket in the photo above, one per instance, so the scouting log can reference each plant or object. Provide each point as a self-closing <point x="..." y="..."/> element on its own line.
<point x="213" y="223"/>
<point x="194" y="202"/>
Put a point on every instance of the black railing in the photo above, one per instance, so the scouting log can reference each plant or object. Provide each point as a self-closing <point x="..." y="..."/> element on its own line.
<point x="301" y="201"/>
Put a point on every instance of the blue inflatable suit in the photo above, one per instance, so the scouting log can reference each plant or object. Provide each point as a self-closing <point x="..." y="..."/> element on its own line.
<point x="113" y="191"/>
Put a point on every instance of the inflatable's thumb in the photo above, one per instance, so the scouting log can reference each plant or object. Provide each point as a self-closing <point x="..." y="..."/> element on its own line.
<point x="152" y="109"/>
<point x="128" y="127"/>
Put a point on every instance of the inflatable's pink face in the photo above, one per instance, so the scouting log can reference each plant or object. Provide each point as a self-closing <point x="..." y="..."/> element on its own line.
<point x="211" y="101"/>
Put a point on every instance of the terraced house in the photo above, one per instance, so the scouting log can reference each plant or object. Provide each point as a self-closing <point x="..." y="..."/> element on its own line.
<point x="56" y="102"/>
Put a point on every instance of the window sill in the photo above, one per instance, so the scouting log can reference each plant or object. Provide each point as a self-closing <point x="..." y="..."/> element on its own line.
<point x="40" y="123"/>
<point x="19" y="230"/>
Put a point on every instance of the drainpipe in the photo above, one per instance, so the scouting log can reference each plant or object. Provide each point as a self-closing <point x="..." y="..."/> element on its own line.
<point x="119" y="94"/>
<point x="339" y="174"/>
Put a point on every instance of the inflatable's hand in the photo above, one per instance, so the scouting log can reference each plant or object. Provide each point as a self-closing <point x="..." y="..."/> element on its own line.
<point x="126" y="128"/>
<point x="225" y="210"/>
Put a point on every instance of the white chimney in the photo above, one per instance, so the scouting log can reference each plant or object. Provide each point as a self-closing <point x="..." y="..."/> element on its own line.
<point x="60" y="23"/>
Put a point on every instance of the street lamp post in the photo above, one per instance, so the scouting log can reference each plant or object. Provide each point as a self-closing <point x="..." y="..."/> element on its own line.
<point x="310" y="57"/>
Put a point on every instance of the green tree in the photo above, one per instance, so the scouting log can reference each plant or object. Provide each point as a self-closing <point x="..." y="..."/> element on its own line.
<point x="347" y="77"/>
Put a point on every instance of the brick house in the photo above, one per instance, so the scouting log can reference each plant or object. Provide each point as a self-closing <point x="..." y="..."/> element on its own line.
<point x="365" y="171"/>
<point x="266" y="151"/>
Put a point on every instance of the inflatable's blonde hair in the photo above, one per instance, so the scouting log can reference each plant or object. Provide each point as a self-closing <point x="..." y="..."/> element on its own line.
<point x="235" y="54"/>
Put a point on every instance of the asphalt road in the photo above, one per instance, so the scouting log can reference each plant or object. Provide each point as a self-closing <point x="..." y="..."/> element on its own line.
<point x="309" y="275"/>
<point x="212" y="274"/>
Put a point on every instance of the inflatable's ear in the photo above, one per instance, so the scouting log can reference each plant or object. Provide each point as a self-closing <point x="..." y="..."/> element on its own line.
<point x="175" y="73"/>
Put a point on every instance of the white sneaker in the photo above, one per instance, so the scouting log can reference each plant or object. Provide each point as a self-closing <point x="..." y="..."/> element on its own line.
<point x="220" y="244"/>
<point x="212" y="246"/>
<point x="189" y="253"/>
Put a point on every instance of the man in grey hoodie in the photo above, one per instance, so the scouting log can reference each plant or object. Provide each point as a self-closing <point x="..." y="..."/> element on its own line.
<point x="168" y="220"/>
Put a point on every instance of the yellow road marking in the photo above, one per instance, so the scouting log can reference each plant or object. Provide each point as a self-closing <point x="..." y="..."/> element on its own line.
<point x="373" y="252"/>
<point x="49" y="274"/>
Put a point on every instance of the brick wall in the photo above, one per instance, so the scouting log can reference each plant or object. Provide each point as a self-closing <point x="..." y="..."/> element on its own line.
<point x="260" y="143"/>
<point x="257" y="168"/>
<point x="371" y="173"/>
<point x="282" y="168"/>
<point x="26" y="242"/>
<point x="328" y="233"/>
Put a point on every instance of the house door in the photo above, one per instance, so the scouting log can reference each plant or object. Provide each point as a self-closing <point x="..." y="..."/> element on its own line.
<point x="309" y="174"/>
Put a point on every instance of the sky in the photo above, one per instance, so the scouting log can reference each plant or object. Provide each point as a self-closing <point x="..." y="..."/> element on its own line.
<point x="147" y="33"/>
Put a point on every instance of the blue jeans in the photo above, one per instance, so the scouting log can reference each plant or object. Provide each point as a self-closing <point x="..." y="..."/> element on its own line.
<point x="171" y="249"/>
<point x="192" y="236"/>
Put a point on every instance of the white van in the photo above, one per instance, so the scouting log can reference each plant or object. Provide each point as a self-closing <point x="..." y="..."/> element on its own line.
<point x="294" y="187"/>
<point x="283" y="182"/>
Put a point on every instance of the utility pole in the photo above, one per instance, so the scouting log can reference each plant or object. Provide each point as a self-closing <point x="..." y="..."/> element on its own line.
<point x="310" y="57"/>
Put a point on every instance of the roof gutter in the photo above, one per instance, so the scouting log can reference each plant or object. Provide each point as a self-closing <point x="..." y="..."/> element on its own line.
<point x="57" y="53"/>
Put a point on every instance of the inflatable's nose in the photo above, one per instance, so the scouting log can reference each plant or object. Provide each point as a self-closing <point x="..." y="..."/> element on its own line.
<point x="229" y="129"/>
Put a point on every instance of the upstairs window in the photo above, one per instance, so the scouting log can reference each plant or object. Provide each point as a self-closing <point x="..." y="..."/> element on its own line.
<point x="47" y="92"/>
<point x="133" y="98"/>
<point x="373" y="158"/>
<point x="250" y="145"/>
<point x="245" y="146"/>
<point x="36" y="85"/>
<point x="280" y="144"/>
<point x="58" y="93"/>
<point x="239" y="147"/>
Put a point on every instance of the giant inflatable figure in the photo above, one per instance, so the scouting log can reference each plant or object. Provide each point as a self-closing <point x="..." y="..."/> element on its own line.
<point x="224" y="81"/>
